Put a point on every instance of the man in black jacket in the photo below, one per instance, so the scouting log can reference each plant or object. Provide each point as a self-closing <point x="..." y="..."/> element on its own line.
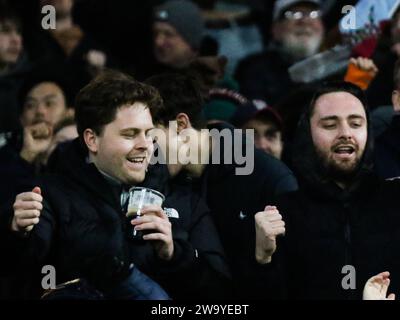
<point x="82" y="228"/>
<point x="342" y="225"/>
<point x="235" y="179"/>
<point x="79" y="228"/>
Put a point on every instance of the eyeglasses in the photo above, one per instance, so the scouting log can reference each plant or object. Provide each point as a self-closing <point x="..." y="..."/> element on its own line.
<point x="298" y="15"/>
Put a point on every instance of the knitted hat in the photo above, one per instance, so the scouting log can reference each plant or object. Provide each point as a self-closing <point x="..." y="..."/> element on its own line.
<point x="185" y="17"/>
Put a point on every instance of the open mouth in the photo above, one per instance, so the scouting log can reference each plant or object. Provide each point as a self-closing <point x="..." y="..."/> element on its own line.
<point x="344" y="150"/>
<point x="137" y="160"/>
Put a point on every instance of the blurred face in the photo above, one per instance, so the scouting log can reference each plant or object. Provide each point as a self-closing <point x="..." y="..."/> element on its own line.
<point x="300" y="31"/>
<point x="186" y="148"/>
<point x="266" y="137"/>
<point x="45" y="102"/>
<point x="10" y="43"/>
<point x="170" y="142"/>
<point x="124" y="147"/>
<point x="169" y="47"/>
<point x="339" y="132"/>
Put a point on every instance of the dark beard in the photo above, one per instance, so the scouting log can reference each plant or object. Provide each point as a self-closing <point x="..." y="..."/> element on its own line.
<point x="340" y="175"/>
<point x="335" y="173"/>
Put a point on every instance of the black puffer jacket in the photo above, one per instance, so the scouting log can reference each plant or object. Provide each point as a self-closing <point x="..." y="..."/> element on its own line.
<point x="328" y="228"/>
<point x="83" y="233"/>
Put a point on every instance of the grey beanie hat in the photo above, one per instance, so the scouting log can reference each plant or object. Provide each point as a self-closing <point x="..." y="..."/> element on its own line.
<point x="185" y="17"/>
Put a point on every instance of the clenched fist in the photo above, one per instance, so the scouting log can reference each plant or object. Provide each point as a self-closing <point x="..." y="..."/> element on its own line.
<point x="269" y="225"/>
<point x="365" y="64"/>
<point x="37" y="139"/>
<point x="27" y="208"/>
<point x="376" y="288"/>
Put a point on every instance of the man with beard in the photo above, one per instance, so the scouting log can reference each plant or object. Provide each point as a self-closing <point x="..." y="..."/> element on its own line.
<point x="342" y="226"/>
<point x="297" y="33"/>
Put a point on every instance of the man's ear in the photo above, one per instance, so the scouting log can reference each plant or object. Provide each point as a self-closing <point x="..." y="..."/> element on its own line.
<point x="396" y="100"/>
<point x="91" y="140"/>
<point x="183" y="122"/>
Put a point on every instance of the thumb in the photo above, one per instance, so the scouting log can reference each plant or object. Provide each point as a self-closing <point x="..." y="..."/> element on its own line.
<point x="391" y="296"/>
<point x="37" y="190"/>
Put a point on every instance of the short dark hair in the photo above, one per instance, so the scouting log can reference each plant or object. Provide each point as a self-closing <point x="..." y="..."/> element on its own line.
<point x="181" y="92"/>
<point x="39" y="76"/>
<point x="396" y="75"/>
<point x="97" y="103"/>
<point x="336" y="86"/>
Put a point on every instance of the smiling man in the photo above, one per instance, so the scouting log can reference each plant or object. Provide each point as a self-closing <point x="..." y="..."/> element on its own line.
<point x="339" y="134"/>
<point x="342" y="226"/>
<point x="80" y="223"/>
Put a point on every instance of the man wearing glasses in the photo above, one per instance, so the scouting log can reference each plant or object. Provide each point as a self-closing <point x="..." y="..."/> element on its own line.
<point x="297" y="33"/>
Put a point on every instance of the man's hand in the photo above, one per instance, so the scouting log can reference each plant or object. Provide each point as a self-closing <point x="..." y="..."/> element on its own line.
<point x="154" y="219"/>
<point x="37" y="139"/>
<point x="365" y="64"/>
<point x="269" y="225"/>
<point x="377" y="286"/>
<point x="27" y="208"/>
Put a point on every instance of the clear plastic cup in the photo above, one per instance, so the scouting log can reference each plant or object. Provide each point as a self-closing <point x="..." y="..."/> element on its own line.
<point x="139" y="198"/>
